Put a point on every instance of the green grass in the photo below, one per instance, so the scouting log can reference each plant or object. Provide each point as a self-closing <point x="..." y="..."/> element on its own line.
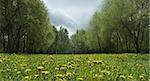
<point x="94" y="67"/>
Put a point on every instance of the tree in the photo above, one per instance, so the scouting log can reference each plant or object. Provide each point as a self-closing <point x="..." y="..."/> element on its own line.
<point x="121" y="25"/>
<point x="80" y="42"/>
<point x="25" y="26"/>
<point x="62" y="42"/>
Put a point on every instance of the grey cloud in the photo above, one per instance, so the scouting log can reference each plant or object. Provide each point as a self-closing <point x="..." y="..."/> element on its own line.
<point x="74" y="14"/>
<point x="61" y="18"/>
<point x="75" y="3"/>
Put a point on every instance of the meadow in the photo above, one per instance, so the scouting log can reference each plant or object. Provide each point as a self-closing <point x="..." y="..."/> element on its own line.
<point x="81" y="67"/>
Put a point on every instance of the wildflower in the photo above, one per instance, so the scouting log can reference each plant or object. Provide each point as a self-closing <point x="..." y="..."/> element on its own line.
<point x="8" y="70"/>
<point x="45" y="62"/>
<point x="96" y="75"/>
<point x="27" y="77"/>
<point x="36" y="75"/>
<point x="139" y="65"/>
<point x="56" y="68"/>
<point x="62" y="68"/>
<point x="69" y="66"/>
<point x="80" y="79"/>
<point x="23" y="65"/>
<point x="122" y="76"/>
<point x="101" y="77"/>
<point x="64" y="80"/>
<point x="68" y="73"/>
<point x="73" y="65"/>
<point x="45" y="72"/>
<point x="114" y="67"/>
<point x="130" y="77"/>
<point x="27" y="70"/>
<point x="61" y="80"/>
<point x="98" y="61"/>
<point x="40" y="68"/>
<point x="4" y="59"/>
<point x="59" y="75"/>
<point x="1" y="61"/>
<point x="64" y="65"/>
<point x="15" y="70"/>
<point x="141" y="77"/>
<point x="18" y="72"/>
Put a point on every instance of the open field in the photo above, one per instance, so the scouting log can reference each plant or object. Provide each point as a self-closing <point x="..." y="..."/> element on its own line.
<point x="94" y="67"/>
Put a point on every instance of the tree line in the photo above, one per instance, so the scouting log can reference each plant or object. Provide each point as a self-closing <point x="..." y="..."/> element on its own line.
<point x="120" y="26"/>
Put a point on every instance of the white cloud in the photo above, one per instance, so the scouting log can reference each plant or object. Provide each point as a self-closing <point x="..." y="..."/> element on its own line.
<point x="74" y="14"/>
<point x="62" y="18"/>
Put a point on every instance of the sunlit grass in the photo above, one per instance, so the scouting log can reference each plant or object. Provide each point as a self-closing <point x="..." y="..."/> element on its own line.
<point x="94" y="67"/>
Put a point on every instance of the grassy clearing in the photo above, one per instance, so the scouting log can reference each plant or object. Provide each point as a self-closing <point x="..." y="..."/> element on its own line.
<point x="95" y="67"/>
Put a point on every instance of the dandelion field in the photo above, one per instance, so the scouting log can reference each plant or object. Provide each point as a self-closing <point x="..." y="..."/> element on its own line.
<point x="94" y="67"/>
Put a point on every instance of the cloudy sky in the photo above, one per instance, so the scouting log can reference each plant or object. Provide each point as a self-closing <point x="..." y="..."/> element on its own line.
<point x="72" y="14"/>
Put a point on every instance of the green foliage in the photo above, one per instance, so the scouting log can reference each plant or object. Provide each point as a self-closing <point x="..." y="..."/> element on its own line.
<point x="79" y="41"/>
<point x="119" y="26"/>
<point x="25" y="27"/>
<point x="62" y="43"/>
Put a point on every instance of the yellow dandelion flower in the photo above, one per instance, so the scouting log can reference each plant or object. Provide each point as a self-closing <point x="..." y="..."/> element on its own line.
<point x="23" y="65"/>
<point x="36" y="75"/>
<point x="95" y="75"/>
<point x="68" y="73"/>
<point x="101" y="77"/>
<point x="27" y="77"/>
<point x="15" y="70"/>
<point x="62" y="68"/>
<point x="64" y="65"/>
<point x="80" y="79"/>
<point x="1" y="61"/>
<point x="56" y="68"/>
<point x="45" y="72"/>
<point x="122" y="76"/>
<point x="141" y="77"/>
<point x="61" y="80"/>
<point x="130" y="77"/>
<point x="73" y="65"/>
<point x="40" y="67"/>
<point x="18" y="72"/>
<point x="64" y="80"/>
<point x="59" y="75"/>
<point x="27" y="70"/>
